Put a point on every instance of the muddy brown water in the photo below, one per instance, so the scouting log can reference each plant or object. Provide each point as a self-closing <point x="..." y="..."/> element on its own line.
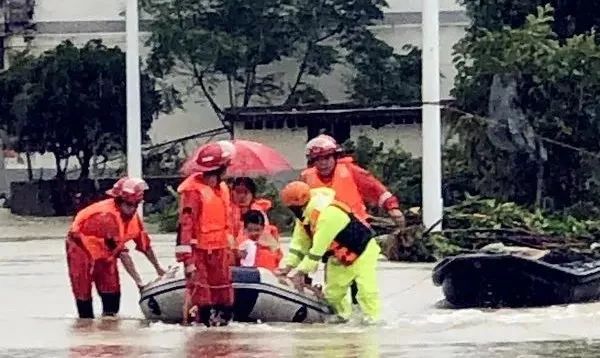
<point x="37" y="319"/>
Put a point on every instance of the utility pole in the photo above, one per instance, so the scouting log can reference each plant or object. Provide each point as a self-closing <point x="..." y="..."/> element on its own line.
<point x="431" y="126"/>
<point x="134" y="126"/>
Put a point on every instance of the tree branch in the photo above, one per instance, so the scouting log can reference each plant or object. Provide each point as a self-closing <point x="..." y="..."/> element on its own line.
<point x="232" y="103"/>
<point x="301" y="71"/>
<point x="249" y="88"/>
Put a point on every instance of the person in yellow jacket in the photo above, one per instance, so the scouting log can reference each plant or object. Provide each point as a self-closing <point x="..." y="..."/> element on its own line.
<point x="326" y="227"/>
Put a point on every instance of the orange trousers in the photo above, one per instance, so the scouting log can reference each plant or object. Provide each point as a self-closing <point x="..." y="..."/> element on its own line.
<point x="83" y="271"/>
<point x="210" y="285"/>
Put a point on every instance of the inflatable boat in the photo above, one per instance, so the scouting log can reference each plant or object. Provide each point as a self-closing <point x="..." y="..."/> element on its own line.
<point x="507" y="280"/>
<point x="259" y="296"/>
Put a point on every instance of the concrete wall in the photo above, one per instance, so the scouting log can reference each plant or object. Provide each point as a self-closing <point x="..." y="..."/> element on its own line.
<point x="291" y="142"/>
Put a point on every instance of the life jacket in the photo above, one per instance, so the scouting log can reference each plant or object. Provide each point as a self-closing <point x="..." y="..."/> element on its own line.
<point x="212" y="221"/>
<point x="266" y="257"/>
<point x="101" y="230"/>
<point x="342" y="181"/>
<point x="350" y="242"/>
<point x="237" y="223"/>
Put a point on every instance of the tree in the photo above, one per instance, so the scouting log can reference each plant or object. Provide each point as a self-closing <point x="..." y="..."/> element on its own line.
<point x="71" y="101"/>
<point x="541" y="148"/>
<point x="571" y="17"/>
<point x="382" y="75"/>
<point x="231" y="41"/>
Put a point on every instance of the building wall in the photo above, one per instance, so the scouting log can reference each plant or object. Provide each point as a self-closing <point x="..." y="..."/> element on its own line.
<point x="291" y="142"/>
<point x="83" y="20"/>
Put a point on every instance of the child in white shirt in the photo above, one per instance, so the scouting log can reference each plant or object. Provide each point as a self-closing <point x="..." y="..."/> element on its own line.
<point x="254" y="226"/>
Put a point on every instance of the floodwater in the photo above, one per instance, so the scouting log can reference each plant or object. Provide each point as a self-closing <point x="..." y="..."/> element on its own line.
<point x="37" y="319"/>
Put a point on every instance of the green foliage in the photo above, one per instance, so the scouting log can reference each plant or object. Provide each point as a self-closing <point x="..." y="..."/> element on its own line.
<point x="383" y="76"/>
<point x="393" y="166"/>
<point x="555" y="82"/>
<point x="477" y="222"/>
<point x="230" y="41"/>
<point x="402" y="173"/>
<point x="572" y="17"/>
<point x="71" y="101"/>
<point x="168" y="216"/>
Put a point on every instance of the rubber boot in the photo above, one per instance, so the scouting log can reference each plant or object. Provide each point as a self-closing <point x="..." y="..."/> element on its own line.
<point x="204" y="315"/>
<point x="224" y="314"/>
<point x="85" y="309"/>
<point x="111" y="303"/>
<point x="354" y="292"/>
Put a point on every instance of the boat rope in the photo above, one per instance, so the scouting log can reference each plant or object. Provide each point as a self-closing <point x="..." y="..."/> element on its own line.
<point x="409" y="288"/>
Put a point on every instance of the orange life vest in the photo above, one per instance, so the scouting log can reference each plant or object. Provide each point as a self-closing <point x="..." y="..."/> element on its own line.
<point x="265" y="256"/>
<point x="344" y="185"/>
<point x="98" y="222"/>
<point x="237" y="223"/>
<point x="212" y="221"/>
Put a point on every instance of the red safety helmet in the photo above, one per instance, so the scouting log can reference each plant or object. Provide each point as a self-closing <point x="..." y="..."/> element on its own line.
<point x="130" y="190"/>
<point x="213" y="156"/>
<point x="321" y="145"/>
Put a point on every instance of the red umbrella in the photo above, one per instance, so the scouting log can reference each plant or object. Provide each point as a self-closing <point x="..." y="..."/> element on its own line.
<point x="250" y="159"/>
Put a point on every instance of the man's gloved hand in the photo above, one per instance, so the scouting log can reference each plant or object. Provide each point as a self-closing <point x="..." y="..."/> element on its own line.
<point x="299" y="280"/>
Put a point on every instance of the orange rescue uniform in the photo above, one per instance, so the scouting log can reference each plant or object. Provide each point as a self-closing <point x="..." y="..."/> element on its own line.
<point x="96" y="238"/>
<point x="203" y="241"/>
<point x="353" y="186"/>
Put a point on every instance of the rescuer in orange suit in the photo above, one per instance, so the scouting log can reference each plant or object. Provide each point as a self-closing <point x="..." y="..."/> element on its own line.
<point x="204" y="241"/>
<point x="353" y="185"/>
<point x="96" y="240"/>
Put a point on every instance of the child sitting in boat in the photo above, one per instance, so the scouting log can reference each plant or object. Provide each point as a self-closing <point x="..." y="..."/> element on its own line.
<point x="259" y="243"/>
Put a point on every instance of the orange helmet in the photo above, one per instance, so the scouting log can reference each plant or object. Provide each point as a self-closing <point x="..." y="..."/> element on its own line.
<point x="130" y="190"/>
<point x="296" y="193"/>
<point x="213" y="156"/>
<point x="321" y="145"/>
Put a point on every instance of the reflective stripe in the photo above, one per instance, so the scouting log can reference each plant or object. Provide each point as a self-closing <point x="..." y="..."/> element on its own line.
<point x="183" y="249"/>
<point x="298" y="253"/>
<point x="384" y="197"/>
<point x="193" y="242"/>
<point x="314" y="257"/>
<point x="197" y="285"/>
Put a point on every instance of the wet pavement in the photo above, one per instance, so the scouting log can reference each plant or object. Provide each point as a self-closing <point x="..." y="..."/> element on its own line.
<point x="38" y="319"/>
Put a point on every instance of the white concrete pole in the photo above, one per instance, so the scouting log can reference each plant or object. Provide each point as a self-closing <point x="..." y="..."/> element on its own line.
<point x="432" y="156"/>
<point x="134" y="125"/>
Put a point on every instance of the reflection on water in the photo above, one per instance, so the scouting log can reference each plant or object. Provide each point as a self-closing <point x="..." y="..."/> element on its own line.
<point x="37" y="316"/>
<point x="224" y="345"/>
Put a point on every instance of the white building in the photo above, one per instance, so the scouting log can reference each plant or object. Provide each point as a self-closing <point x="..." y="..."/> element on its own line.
<point x="83" y="20"/>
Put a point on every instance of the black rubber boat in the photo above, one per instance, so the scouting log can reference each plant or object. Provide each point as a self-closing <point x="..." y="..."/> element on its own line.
<point x="505" y="280"/>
